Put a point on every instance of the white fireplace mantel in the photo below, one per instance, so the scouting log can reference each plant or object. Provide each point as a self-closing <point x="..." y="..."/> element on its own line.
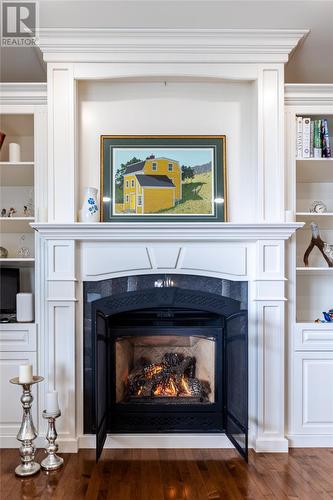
<point x="76" y="252"/>
<point x="170" y="231"/>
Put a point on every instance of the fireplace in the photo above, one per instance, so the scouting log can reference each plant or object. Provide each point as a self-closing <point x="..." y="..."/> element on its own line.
<point x="167" y="360"/>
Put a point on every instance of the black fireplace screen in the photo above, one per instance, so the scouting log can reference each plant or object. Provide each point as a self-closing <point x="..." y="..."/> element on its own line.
<point x="170" y="360"/>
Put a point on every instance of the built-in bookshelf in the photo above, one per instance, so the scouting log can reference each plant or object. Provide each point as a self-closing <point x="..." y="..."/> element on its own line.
<point x="23" y="120"/>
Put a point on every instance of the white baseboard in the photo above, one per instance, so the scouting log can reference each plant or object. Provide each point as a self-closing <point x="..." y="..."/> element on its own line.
<point x="310" y="440"/>
<point x="158" y="441"/>
<point x="271" y="445"/>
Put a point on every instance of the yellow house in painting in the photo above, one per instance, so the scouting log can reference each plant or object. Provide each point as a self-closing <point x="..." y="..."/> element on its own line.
<point x="152" y="185"/>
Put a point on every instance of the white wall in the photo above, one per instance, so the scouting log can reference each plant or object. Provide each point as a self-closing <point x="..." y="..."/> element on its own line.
<point x="216" y="108"/>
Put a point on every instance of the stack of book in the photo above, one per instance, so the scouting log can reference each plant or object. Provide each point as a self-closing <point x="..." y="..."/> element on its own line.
<point x="312" y="138"/>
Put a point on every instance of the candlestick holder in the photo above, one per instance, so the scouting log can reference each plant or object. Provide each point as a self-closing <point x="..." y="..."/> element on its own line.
<point x="52" y="461"/>
<point x="27" y="433"/>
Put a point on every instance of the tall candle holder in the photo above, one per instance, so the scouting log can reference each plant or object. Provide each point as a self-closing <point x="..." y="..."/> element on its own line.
<point x="52" y="461"/>
<point x="27" y="433"/>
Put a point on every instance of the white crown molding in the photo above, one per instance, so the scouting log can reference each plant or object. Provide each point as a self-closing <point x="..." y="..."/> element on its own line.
<point x="168" y="231"/>
<point x="23" y="93"/>
<point x="307" y="94"/>
<point x="168" y="45"/>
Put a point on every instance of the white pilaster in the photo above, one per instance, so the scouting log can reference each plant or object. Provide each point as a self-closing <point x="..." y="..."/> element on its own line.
<point x="61" y="153"/>
<point x="270" y="144"/>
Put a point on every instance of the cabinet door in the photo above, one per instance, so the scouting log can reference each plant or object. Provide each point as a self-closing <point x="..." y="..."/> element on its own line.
<point x="11" y="408"/>
<point x="313" y="392"/>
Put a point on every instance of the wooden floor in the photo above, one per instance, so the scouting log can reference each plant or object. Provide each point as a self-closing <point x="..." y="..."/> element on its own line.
<point x="176" y="474"/>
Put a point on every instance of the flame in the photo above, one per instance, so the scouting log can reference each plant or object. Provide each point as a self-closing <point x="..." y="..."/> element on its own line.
<point x="185" y="386"/>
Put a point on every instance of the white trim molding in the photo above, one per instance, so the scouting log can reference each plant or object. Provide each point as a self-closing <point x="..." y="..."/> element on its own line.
<point x="169" y="231"/>
<point x="23" y="93"/>
<point x="168" y="45"/>
<point x="297" y="94"/>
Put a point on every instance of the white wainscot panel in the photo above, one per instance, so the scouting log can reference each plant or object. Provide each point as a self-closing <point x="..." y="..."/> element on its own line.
<point x="61" y="290"/>
<point x="224" y="259"/>
<point x="11" y="411"/>
<point x="269" y="290"/>
<point x="313" y="392"/>
<point x="99" y="260"/>
<point x="314" y="337"/>
<point x="17" y="337"/>
<point x="271" y="258"/>
<point x="62" y="363"/>
<point x="61" y="259"/>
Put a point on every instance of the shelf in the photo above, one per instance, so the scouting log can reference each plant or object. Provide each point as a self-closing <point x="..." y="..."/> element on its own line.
<point x="314" y="159"/>
<point x="16" y="224"/>
<point x="29" y="261"/>
<point x="310" y="214"/>
<point x="17" y="174"/>
<point x="314" y="270"/>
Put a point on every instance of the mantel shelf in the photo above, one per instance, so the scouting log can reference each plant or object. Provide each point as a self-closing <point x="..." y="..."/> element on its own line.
<point x="168" y="231"/>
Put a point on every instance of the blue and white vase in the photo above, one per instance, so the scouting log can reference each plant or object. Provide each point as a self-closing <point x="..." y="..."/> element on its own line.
<point x="90" y="210"/>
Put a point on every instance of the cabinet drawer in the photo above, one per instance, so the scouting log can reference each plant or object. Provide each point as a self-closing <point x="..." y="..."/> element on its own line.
<point x="16" y="337"/>
<point x="314" y="337"/>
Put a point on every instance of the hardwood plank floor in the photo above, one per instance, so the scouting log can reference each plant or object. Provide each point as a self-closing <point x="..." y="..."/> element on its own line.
<point x="305" y="474"/>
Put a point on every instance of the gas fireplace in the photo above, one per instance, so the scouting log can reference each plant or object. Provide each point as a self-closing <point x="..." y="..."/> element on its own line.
<point x="168" y="360"/>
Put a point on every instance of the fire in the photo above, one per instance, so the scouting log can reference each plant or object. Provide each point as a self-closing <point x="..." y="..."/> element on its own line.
<point x="170" y="388"/>
<point x="185" y="386"/>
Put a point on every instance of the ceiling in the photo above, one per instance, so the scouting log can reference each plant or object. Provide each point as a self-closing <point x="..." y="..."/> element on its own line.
<point x="312" y="62"/>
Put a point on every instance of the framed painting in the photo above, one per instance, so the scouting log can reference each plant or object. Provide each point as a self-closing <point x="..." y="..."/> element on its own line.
<point x="163" y="178"/>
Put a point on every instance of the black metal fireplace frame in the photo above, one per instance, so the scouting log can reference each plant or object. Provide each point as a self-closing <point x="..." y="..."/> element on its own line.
<point x="234" y="423"/>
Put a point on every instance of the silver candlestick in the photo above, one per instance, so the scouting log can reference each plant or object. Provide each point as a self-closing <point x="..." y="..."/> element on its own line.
<point x="27" y="432"/>
<point x="52" y="461"/>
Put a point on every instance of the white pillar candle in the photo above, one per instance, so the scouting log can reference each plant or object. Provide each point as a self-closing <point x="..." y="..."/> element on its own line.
<point x="25" y="374"/>
<point x="14" y="152"/>
<point x="51" y="402"/>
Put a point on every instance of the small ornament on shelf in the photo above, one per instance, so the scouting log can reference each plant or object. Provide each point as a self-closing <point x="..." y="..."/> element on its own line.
<point x="325" y="248"/>
<point x="3" y="253"/>
<point x="11" y="212"/>
<point x="318" y="207"/>
<point x="328" y="317"/>
<point x="89" y="211"/>
<point x="22" y="251"/>
<point x="2" y="138"/>
<point x="3" y="212"/>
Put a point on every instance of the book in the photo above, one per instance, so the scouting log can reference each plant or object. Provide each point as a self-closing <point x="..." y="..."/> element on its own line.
<point x="299" y="139"/>
<point x="306" y="138"/>
<point x="317" y="144"/>
<point x="325" y="139"/>
<point x="311" y="138"/>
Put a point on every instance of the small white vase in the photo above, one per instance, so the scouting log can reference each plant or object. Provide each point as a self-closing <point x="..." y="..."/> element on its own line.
<point x="90" y="210"/>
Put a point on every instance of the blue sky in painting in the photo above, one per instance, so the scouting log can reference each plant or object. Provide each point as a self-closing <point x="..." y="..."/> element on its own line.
<point x="186" y="156"/>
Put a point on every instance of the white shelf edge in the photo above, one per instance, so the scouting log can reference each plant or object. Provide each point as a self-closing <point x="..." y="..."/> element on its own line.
<point x="17" y="163"/>
<point x="314" y="159"/>
<point x="310" y="214"/>
<point x="302" y="269"/>
<point x="28" y="219"/>
<point x="17" y="259"/>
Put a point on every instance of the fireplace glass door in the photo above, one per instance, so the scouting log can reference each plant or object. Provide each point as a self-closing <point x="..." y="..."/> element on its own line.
<point x="165" y="369"/>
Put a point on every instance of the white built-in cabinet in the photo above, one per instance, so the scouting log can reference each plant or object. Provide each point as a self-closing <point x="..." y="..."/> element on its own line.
<point x="23" y="118"/>
<point x="310" y="289"/>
